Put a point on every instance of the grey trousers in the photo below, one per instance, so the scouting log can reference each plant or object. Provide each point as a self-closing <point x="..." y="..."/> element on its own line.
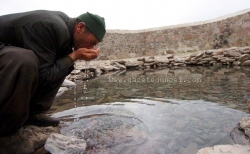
<point x="20" y="92"/>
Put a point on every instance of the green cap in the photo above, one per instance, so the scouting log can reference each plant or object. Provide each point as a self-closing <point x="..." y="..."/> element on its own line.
<point x="94" y="23"/>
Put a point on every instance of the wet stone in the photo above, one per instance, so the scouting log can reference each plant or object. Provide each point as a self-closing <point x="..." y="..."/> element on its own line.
<point x="104" y="132"/>
<point x="245" y="125"/>
<point x="225" y="149"/>
<point x="58" y="143"/>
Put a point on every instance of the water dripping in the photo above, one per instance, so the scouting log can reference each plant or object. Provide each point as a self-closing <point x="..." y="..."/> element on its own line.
<point x="86" y="75"/>
<point x="75" y="88"/>
<point x="87" y="66"/>
<point x="75" y="95"/>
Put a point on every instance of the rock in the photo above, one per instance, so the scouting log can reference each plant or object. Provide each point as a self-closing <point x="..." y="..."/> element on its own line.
<point x="217" y="52"/>
<point x="26" y="140"/>
<point x="133" y="63"/>
<point x="202" y="62"/>
<point x="207" y="59"/>
<point x="164" y="60"/>
<point x="121" y="62"/>
<point x="77" y="77"/>
<point x="192" y="62"/>
<point x="170" y="55"/>
<point x="246" y="63"/>
<point x="236" y="63"/>
<point x="74" y="72"/>
<point x="209" y="52"/>
<point x="58" y="143"/>
<point x="225" y="149"/>
<point x="245" y="125"/>
<point x="194" y="54"/>
<point x="111" y="132"/>
<point x="179" y="64"/>
<point x="120" y="66"/>
<point x="226" y="59"/>
<point x="244" y="58"/>
<point x="219" y="57"/>
<point x="162" y="64"/>
<point x="179" y="60"/>
<point x="106" y="68"/>
<point x="149" y="60"/>
<point x="61" y="91"/>
<point x="98" y="72"/>
<point x="233" y="53"/>
<point x="140" y="59"/>
<point x="245" y="51"/>
<point x="91" y="68"/>
<point x="188" y="59"/>
<point x="150" y="64"/>
<point x="212" y="62"/>
<point x="116" y="68"/>
<point x="248" y="106"/>
<point x="67" y="83"/>
<point x="198" y="56"/>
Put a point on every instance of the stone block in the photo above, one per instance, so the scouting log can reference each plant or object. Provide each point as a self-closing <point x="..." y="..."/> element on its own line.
<point x="133" y="63"/>
<point x="246" y="63"/>
<point x="58" y="143"/>
<point x="244" y="58"/>
<point x="68" y="83"/>
<point x="218" y="56"/>
<point x="207" y="59"/>
<point x="162" y="60"/>
<point x="231" y="53"/>
<point x="245" y="125"/>
<point x="120" y="66"/>
<point x="225" y="149"/>
<point x="226" y="60"/>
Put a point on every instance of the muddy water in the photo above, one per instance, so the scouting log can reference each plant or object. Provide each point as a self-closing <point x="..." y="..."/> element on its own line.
<point x="157" y="111"/>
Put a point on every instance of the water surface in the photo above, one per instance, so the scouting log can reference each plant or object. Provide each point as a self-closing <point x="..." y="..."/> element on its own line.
<point x="157" y="111"/>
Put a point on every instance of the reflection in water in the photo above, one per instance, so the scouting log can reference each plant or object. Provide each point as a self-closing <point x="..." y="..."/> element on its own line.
<point x="162" y="111"/>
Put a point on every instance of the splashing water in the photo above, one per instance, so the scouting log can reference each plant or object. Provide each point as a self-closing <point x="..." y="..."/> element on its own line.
<point x="87" y="66"/>
<point x="75" y="87"/>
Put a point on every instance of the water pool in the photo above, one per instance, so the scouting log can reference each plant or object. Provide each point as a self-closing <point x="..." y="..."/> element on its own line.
<point x="173" y="111"/>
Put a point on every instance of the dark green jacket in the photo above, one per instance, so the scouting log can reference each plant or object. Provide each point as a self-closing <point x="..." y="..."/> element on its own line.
<point x="48" y="34"/>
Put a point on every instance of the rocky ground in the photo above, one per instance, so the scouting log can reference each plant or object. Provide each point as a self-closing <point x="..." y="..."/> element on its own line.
<point x="229" y="56"/>
<point x="31" y="139"/>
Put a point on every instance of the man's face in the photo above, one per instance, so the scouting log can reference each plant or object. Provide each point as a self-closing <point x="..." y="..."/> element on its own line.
<point x="83" y="38"/>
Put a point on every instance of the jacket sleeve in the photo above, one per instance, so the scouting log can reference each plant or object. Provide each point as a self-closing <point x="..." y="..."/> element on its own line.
<point x="50" y="41"/>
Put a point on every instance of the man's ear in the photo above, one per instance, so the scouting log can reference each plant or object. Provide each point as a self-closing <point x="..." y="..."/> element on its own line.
<point x="80" y="26"/>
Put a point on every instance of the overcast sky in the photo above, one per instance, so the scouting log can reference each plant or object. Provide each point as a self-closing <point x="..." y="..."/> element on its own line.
<point x="134" y="14"/>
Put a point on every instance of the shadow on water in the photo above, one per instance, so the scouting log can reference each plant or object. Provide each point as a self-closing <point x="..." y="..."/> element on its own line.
<point x="157" y="111"/>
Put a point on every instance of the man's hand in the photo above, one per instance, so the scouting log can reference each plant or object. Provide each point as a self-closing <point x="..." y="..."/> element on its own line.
<point x="85" y="54"/>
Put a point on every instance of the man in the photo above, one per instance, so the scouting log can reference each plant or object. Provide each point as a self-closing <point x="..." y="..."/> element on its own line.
<point x="35" y="57"/>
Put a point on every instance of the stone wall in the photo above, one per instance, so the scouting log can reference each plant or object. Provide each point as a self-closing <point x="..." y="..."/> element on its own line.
<point x="228" y="31"/>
